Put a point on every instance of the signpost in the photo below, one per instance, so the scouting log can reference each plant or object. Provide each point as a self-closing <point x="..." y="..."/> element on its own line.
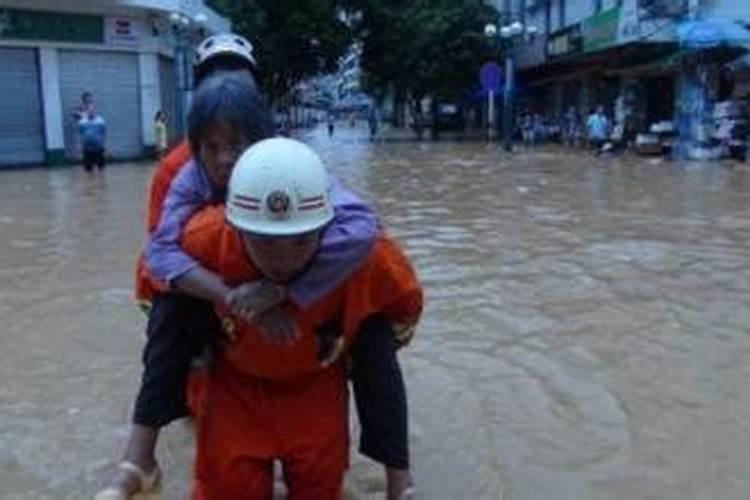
<point x="490" y="76"/>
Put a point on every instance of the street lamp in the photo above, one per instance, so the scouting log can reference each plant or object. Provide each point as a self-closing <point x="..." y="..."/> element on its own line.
<point x="200" y="19"/>
<point x="183" y="27"/>
<point x="508" y="34"/>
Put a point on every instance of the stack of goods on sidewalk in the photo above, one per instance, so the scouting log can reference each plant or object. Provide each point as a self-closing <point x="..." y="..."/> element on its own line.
<point x="658" y="140"/>
<point x="731" y="127"/>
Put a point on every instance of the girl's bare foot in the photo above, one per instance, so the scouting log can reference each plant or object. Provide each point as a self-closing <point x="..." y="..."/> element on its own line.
<point x="138" y="470"/>
<point x="129" y="480"/>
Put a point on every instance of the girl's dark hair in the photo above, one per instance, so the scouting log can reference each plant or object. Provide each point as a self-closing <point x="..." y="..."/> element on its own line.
<point x="232" y="98"/>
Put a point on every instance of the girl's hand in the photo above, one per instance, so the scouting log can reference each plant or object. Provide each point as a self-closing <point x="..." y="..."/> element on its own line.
<point x="252" y="300"/>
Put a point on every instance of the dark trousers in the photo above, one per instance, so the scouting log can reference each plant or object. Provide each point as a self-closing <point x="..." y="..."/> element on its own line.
<point x="181" y="327"/>
<point x="596" y="144"/>
<point x="380" y="395"/>
<point x="93" y="157"/>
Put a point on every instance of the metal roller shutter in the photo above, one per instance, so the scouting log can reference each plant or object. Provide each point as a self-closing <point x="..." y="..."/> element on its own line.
<point x="21" y="116"/>
<point x="112" y="79"/>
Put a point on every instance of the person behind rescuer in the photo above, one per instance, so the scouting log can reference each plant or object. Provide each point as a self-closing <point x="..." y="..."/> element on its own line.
<point x="262" y="401"/>
<point x="179" y="313"/>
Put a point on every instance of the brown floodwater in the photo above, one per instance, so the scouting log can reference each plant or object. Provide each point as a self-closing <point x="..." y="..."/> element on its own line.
<point x="586" y="333"/>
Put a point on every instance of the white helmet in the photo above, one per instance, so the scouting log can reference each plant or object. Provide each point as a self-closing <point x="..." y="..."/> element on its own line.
<point x="225" y="44"/>
<point x="279" y="187"/>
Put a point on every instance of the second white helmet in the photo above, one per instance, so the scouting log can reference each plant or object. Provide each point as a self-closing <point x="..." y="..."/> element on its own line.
<point x="225" y="44"/>
<point x="279" y="187"/>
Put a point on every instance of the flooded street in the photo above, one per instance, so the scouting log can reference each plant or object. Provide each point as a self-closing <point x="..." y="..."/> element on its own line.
<point x="586" y="333"/>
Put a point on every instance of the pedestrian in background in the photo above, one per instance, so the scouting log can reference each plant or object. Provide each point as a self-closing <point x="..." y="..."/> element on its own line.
<point x="570" y="127"/>
<point x="372" y="121"/>
<point x="540" y="129"/>
<point x="331" y="125"/>
<point x="161" y="134"/>
<point x="597" y="127"/>
<point x="527" y="129"/>
<point x="92" y="130"/>
<point x="86" y="103"/>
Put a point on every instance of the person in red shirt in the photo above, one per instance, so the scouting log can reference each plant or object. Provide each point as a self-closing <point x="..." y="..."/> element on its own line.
<point x="263" y="400"/>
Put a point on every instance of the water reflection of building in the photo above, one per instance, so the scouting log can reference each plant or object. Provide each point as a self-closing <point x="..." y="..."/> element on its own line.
<point x="123" y="52"/>
<point x="623" y="54"/>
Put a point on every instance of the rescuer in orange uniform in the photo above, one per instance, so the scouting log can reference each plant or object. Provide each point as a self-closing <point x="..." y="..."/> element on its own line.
<point x="286" y="400"/>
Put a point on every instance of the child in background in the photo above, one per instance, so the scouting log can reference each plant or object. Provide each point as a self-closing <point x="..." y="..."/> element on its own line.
<point x="161" y="134"/>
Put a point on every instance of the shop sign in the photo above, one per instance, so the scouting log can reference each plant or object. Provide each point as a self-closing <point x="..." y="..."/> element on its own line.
<point x="37" y="25"/>
<point x="600" y="31"/>
<point x="565" y="42"/>
<point x="123" y="31"/>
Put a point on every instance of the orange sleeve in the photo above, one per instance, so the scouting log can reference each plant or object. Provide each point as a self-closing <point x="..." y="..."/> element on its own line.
<point x="387" y="284"/>
<point x="165" y="173"/>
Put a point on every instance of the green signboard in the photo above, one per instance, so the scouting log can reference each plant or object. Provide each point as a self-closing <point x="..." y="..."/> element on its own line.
<point x="600" y="31"/>
<point x="36" y="25"/>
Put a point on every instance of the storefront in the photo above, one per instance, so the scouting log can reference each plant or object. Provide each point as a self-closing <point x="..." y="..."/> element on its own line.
<point x="605" y="60"/>
<point x="122" y="55"/>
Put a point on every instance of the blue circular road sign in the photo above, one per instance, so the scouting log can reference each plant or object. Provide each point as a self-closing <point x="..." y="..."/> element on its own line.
<point x="490" y="76"/>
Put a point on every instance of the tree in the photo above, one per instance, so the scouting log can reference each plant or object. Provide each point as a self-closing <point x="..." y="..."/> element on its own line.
<point x="292" y="39"/>
<point x="422" y="47"/>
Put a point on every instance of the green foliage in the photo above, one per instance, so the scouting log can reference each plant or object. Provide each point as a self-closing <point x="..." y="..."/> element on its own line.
<point x="423" y="47"/>
<point x="293" y="39"/>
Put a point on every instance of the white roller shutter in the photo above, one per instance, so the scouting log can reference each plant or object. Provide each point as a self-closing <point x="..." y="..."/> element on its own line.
<point x="112" y="79"/>
<point x="21" y="116"/>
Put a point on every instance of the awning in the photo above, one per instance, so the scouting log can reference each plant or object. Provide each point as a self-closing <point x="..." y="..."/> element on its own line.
<point x="710" y="33"/>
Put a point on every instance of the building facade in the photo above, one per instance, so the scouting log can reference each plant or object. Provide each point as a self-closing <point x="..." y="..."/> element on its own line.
<point x="621" y="54"/>
<point x="123" y="52"/>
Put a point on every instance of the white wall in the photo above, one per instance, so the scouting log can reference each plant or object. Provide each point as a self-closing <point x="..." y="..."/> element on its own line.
<point x="49" y="69"/>
<point x="148" y="72"/>
<point x="555" y="22"/>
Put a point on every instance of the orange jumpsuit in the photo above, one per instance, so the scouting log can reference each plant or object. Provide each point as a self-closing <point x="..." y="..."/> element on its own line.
<point x="262" y="401"/>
